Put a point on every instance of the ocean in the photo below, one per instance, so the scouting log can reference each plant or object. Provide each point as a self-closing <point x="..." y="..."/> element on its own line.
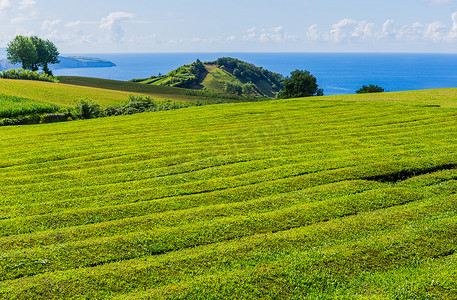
<point x="336" y="73"/>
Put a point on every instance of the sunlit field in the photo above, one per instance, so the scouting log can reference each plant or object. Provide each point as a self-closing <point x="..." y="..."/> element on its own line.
<point x="348" y="197"/>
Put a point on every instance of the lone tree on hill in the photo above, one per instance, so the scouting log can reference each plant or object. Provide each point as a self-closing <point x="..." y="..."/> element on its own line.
<point x="32" y="53"/>
<point x="300" y="84"/>
<point x="47" y="53"/>
<point x="21" y="50"/>
<point x="370" y="89"/>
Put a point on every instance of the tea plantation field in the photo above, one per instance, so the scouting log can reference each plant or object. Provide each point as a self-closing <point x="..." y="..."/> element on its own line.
<point x="303" y="199"/>
<point x="61" y="94"/>
<point x="11" y="106"/>
<point x="103" y="91"/>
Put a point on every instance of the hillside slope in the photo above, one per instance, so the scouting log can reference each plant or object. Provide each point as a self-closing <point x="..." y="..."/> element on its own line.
<point x="104" y="92"/>
<point x="225" y="75"/>
<point x="61" y="94"/>
<point x="300" y="198"/>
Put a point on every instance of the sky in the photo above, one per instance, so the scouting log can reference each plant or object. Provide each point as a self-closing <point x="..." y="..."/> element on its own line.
<point x="120" y="26"/>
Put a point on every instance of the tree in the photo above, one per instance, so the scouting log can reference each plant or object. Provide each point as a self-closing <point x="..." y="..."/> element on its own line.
<point x="47" y="53"/>
<point x="301" y="83"/>
<point x="21" y="50"/>
<point x="32" y="53"/>
<point x="370" y="89"/>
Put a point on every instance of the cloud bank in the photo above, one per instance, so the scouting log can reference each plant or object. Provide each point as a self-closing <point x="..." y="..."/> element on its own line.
<point x="353" y="31"/>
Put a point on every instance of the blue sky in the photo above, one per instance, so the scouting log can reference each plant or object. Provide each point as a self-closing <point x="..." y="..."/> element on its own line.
<point x="85" y="26"/>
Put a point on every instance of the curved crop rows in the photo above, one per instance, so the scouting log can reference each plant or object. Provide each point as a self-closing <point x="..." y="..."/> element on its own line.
<point x="279" y="199"/>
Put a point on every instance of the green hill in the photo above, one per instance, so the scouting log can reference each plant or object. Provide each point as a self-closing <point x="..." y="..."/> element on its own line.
<point x="225" y="75"/>
<point x="348" y="197"/>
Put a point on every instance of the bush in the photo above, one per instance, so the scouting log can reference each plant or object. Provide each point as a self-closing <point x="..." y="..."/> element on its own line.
<point x="138" y="104"/>
<point x="26" y="75"/>
<point x="87" y="109"/>
<point x="370" y="89"/>
<point x="21" y="120"/>
<point x="54" y="118"/>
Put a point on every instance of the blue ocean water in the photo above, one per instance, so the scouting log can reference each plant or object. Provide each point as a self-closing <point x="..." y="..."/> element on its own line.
<point x="336" y="73"/>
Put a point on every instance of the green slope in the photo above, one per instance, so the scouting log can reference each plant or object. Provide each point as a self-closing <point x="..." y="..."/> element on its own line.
<point x="104" y="92"/>
<point x="158" y="92"/>
<point x="120" y="85"/>
<point x="313" y="198"/>
<point x="61" y="94"/>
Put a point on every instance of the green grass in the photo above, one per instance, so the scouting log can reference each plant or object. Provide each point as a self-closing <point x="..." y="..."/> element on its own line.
<point x="216" y="78"/>
<point x="351" y="197"/>
<point x="157" y="91"/>
<point x="61" y="94"/>
<point x="104" y="92"/>
<point x="125" y="86"/>
<point x="438" y="97"/>
<point x="12" y="107"/>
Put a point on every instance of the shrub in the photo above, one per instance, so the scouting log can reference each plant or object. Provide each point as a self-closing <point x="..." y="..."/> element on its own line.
<point x="138" y="104"/>
<point x="21" y="120"/>
<point x="26" y="75"/>
<point x="370" y="89"/>
<point x="87" y="109"/>
<point x="54" y="118"/>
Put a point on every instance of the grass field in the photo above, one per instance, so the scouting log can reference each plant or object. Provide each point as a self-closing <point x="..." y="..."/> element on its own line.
<point x="304" y="199"/>
<point x="61" y="94"/>
<point x="431" y="97"/>
<point x="11" y="107"/>
<point x="104" y="92"/>
<point x="158" y="92"/>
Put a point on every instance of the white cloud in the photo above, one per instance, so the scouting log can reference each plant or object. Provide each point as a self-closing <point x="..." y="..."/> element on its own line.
<point x="435" y="31"/>
<point x="112" y="25"/>
<point x="19" y="20"/>
<point x="26" y="4"/>
<point x="50" y="25"/>
<point x="231" y="38"/>
<point x="5" y="5"/>
<point x="73" y="24"/>
<point x="250" y="34"/>
<point x="349" y="30"/>
<point x="313" y="33"/>
<point x="388" y="28"/>
<point x="273" y="35"/>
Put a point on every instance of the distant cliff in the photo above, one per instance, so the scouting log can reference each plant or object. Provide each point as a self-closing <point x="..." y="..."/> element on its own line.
<point x="82" y="62"/>
<point x="68" y="62"/>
